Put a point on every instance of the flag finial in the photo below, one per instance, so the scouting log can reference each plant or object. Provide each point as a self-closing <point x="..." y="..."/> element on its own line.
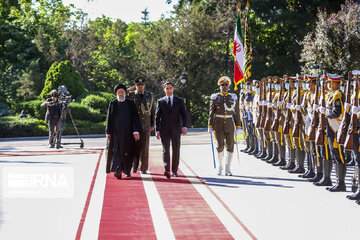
<point x="247" y="4"/>
<point x="238" y="6"/>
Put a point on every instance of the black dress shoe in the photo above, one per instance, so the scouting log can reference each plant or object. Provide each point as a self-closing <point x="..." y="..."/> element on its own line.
<point x="288" y="166"/>
<point x="134" y="170"/>
<point x="144" y="172"/>
<point x="175" y="174"/>
<point x="128" y="175"/>
<point x="52" y="146"/>
<point x="167" y="174"/>
<point x="117" y="175"/>
<point x="317" y="178"/>
<point x="308" y="174"/>
<point x="297" y="170"/>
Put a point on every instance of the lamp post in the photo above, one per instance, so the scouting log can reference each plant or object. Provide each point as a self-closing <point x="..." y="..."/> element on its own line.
<point x="183" y="79"/>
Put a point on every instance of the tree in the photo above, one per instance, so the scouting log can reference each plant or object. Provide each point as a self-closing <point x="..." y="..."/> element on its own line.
<point x="335" y="43"/>
<point x="63" y="73"/>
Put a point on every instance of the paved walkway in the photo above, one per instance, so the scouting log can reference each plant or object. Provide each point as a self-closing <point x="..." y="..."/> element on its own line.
<point x="73" y="198"/>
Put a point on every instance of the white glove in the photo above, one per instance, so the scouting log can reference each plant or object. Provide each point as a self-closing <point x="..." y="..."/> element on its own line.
<point x="322" y="110"/>
<point x="355" y="109"/>
<point x="247" y="108"/>
<point x="347" y="106"/>
<point x="265" y="103"/>
<point x="238" y="131"/>
<point x="297" y="107"/>
<point x="210" y="130"/>
<point x="315" y="107"/>
<point x="269" y="104"/>
<point x="288" y="105"/>
<point x="279" y="103"/>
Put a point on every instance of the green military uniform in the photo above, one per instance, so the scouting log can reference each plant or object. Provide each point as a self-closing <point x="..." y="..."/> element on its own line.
<point x="224" y="119"/>
<point x="144" y="102"/>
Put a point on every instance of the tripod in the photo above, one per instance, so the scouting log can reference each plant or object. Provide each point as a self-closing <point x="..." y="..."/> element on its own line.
<point x="60" y="125"/>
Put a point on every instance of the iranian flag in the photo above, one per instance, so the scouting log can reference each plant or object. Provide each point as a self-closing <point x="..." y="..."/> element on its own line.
<point x="238" y="52"/>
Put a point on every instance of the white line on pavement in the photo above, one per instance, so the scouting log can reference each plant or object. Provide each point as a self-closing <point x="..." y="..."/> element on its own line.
<point x="93" y="217"/>
<point x="234" y="228"/>
<point x="161" y="222"/>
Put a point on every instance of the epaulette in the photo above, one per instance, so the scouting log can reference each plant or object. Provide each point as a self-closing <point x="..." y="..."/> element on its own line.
<point x="233" y="96"/>
<point x="214" y="96"/>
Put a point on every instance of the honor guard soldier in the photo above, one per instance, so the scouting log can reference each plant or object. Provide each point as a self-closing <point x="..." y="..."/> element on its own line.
<point x="224" y="120"/>
<point x="277" y="131"/>
<point x="355" y="112"/>
<point x="334" y="112"/>
<point x="261" y="115"/>
<point x="255" y="114"/>
<point x="289" y="120"/>
<point x="144" y="102"/>
<point x="307" y="113"/>
<point x="249" y="97"/>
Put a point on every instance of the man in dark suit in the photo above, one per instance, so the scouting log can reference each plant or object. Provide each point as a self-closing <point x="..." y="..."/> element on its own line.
<point x="122" y="130"/>
<point x="170" y="122"/>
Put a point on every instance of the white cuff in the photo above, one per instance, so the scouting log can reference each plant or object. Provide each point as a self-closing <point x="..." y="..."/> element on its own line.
<point x="135" y="132"/>
<point x="355" y="109"/>
<point x="288" y="105"/>
<point x="347" y="106"/>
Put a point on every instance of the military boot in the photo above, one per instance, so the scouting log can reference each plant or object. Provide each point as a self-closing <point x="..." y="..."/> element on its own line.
<point x="251" y="144"/>
<point x="349" y="159"/>
<point x="282" y="161"/>
<point x="269" y="151"/>
<point x="220" y="161"/>
<point x="260" y="151"/>
<point x="310" y="172"/>
<point x="291" y="163"/>
<point x="340" y="185"/>
<point x="228" y="164"/>
<point x="356" y="195"/>
<point x="319" y="170"/>
<point x="263" y="151"/>
<point x="300" y="157"/>
<point x="247" y="145"/>
<point x="274" y="157"/>
<point x="255" y="146"/>
<point x="326" y="180"/>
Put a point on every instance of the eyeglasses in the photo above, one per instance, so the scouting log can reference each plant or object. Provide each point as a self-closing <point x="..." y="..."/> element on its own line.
<point x="224" y="85"/>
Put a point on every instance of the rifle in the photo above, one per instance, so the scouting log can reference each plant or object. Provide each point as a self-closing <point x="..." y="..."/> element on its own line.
<point x="258" y="122"/>
<point x="275" y="126"/>
<point x="315" y="120"/>
<point x="288" y="111"/>
<point x="319" y="139"/>
<point x="269" y="111"/>
<point x="264" y="112"/>
<point x="296" y="129"/>
<point x="349" y="141"/>
<point x="344" y="125"/>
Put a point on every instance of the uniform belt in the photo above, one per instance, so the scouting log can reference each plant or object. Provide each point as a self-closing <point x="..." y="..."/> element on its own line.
<point x="224" y="116"/>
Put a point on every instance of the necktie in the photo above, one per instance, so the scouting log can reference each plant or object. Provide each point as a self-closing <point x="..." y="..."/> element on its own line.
<point x="169" y="102"/>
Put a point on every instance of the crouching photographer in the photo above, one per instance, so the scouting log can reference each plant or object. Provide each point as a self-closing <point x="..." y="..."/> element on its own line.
<point x="52" y="115"/>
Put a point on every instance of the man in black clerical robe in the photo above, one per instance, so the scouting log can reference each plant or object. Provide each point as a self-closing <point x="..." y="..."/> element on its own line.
<point x="122" y="130"/>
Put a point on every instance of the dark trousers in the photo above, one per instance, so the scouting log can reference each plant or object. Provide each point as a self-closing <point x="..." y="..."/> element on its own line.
<point x="142" y="151"/>
<point x="175" y="142"/>
<point x="52" y="133"/>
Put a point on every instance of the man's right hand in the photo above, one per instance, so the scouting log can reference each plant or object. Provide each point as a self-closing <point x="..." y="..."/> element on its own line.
<point x="108" y="137"/>
<point x="158" y="135"/>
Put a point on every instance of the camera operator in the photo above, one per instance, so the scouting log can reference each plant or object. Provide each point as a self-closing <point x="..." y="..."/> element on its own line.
<point x="52" y="116"/>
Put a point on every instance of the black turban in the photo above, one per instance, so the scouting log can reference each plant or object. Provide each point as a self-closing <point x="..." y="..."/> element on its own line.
<point x="118" y="86"/>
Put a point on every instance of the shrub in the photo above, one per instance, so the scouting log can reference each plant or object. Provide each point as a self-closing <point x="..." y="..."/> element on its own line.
<point x="106" y="95"/>
<point x="31" y="108"/>
<point x="85" y="127"/>
<point x="15" y="127"/>
<point x="95" y="102"/>
<point x="81" y="112"/>
<point x="63" y="73"/>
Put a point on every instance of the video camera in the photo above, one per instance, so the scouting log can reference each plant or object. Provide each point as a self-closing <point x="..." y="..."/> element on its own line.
<point x="64" y="95"/>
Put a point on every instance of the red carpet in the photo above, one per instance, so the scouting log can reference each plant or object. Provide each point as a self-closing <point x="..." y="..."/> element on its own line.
<point x="125" y="213"/>
<point x="189" y="214"/>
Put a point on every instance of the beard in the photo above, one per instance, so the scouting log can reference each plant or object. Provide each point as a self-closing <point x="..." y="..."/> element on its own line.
<point x="121" y="98"/>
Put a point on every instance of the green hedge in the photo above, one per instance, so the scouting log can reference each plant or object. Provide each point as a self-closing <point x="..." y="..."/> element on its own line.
<point x="85" y="127"/>
<point x="15" y="127"/>
<point x="81" y="112"/>
<point x="107" y="96"/>
<point x="96" y="102"/>
<point x="31" y="108"/>
<point x="78" y="111"/>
